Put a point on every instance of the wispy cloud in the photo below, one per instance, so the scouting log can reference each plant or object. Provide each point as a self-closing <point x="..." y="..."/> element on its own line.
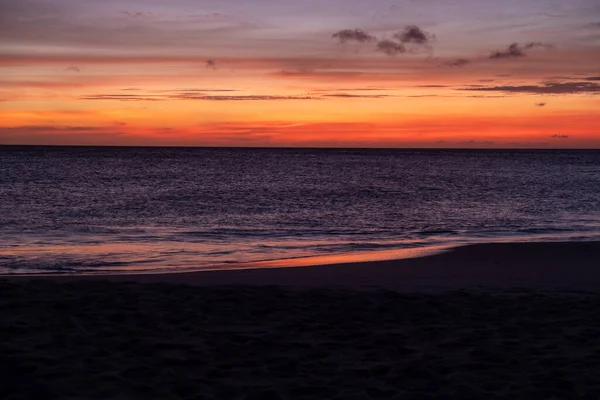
<point x="540" y="104"/>
<point x="545" y="88"/>
<point x="53" y="128"/>
<point x="360" y="96"/>
<point x="192" y="96"/>
<point x="195" y="91"/>
<point x="551" y="15"/>
<point x="244" y="98"/>
<point x="137" y="14"/>
<point x="367" y="89"/>
<point x="73" y="68"/>
<point x="558" y="136"/>
<point x="320" y="75"/>
<point x="123" y="97"/>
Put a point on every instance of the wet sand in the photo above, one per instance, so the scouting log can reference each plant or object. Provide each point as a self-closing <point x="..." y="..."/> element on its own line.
<point x="542" y="265"/>
<point x="496" y="321"/>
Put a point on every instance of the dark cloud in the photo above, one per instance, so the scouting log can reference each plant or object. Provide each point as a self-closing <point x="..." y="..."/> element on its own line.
<point x="592" y="78"/>
<point x="515" y="50"/>
<point x="390" y="48"/>
<point x="545" y="88"/>
<point x="540" y="104"/>
<point x="212" y="64"/>
<point x="353" y="35"/>
<point x="431" y="86"/>
<point x="123" y="97"/>
<point x="73" y="68"/>
<point x="414" y="34"/>
<point x="557" y="136"/>
<point x="459" y="62"/>
<point x="532" y="45"/>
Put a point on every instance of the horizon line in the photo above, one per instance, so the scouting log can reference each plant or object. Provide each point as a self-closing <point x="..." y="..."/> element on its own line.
<point x="301" y="147"/>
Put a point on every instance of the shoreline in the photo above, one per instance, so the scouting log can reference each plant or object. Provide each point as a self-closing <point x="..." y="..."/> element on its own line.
<point x="134" y="259"/>
<point x="497" y="265"/>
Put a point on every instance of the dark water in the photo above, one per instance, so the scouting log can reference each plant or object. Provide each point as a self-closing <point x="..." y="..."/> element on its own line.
<point x="113" y="209"/>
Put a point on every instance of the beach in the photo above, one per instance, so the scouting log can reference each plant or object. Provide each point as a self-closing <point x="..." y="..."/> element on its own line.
<point x="493" y="321"/>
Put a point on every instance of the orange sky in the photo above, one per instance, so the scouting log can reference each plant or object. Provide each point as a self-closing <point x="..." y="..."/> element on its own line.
<point x="226" y="74"/>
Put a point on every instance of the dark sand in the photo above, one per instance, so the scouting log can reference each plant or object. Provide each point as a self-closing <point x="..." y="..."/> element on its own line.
<point x="498" y="321"/>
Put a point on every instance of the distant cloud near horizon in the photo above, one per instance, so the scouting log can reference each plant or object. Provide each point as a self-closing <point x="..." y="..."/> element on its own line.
<point x="73" y="68"/>
<point x="540" y="104"/>
<point x="357" y="96"/>
<point x="557" y="136"/>
<point x="545" y="88"/>
<point x="152" y="97"/>
<point x="353" y="35"/>
<point x="198" y="95"/>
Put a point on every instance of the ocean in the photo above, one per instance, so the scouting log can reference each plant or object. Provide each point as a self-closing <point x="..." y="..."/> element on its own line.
<point x="128" y="210"/>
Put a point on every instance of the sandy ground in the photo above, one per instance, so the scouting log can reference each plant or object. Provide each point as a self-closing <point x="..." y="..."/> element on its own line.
<point x="501" y="321"/>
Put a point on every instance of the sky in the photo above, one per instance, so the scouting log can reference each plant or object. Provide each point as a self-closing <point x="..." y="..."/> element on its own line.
<point x="289" y="73"/>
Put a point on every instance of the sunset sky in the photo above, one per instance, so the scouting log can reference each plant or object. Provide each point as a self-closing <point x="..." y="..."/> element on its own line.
<point x="311" y="73"/>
